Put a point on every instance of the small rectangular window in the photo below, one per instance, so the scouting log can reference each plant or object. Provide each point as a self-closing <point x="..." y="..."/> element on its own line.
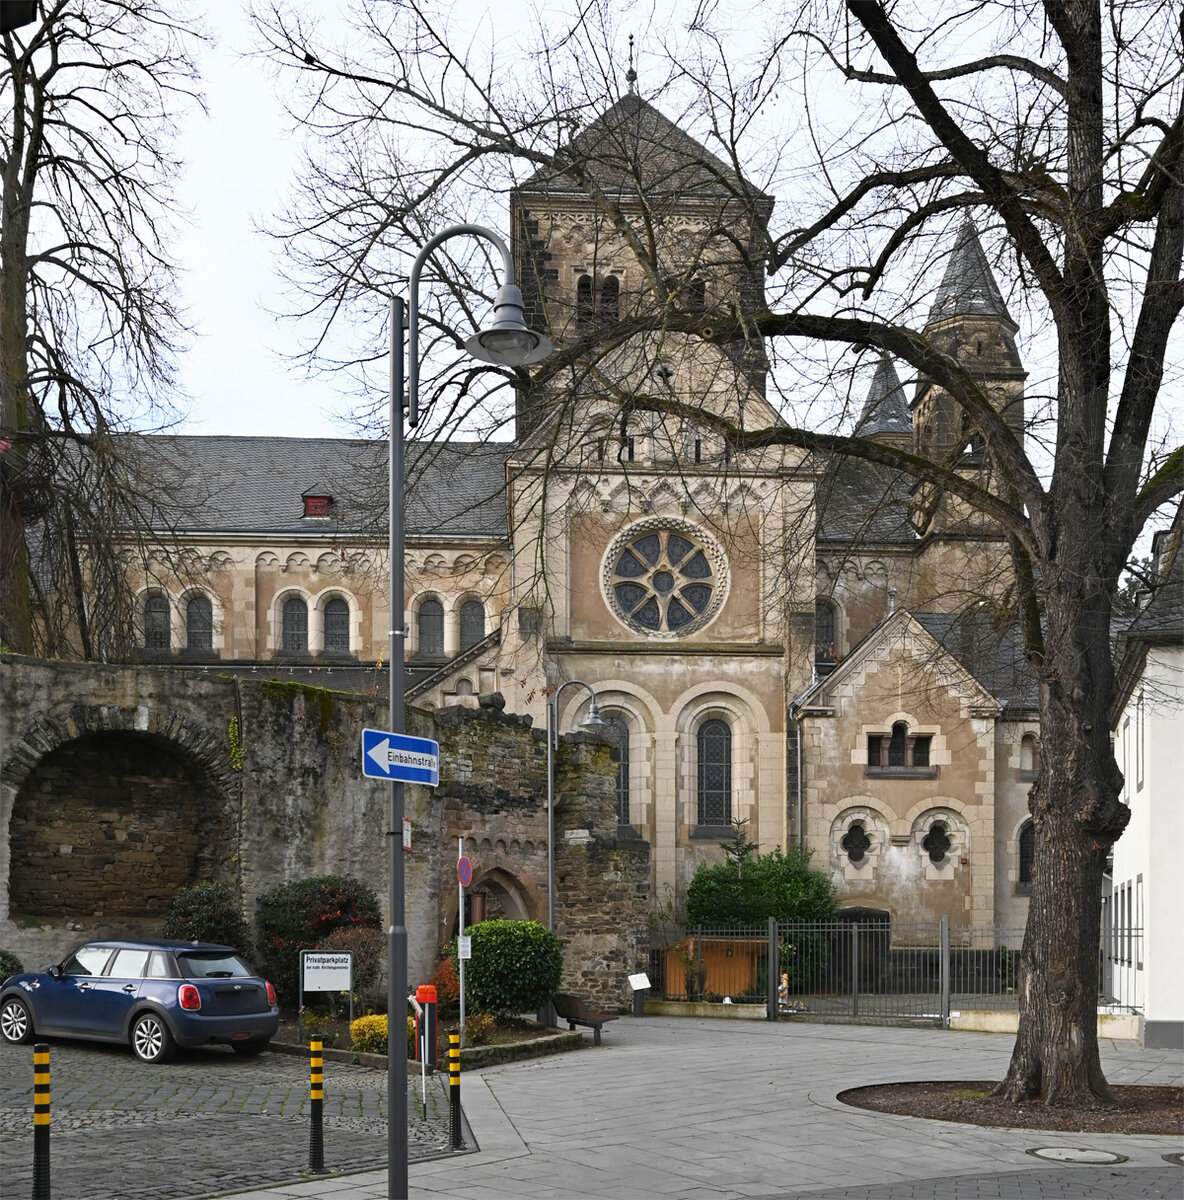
<point x="1140" y="746"/>
<point x="921" y="752"/>
<point x="875" y="745"/>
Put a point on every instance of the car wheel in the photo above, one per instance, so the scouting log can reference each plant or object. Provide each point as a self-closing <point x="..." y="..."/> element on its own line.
<point x="248" y="1049"/>
<point x="151" y="1040"/>
<point x="16" y="1022"/>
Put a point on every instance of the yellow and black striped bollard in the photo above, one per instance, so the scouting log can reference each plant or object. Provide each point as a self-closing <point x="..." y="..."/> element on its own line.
<point x="316" y="1096"/>
<point x="454" y="1137"/>
<point x="41" y="1121"/>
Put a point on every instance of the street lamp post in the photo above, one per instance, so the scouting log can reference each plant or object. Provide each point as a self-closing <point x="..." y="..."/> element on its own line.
<point x="592" y="721"/>
<point x="507" y="342"/>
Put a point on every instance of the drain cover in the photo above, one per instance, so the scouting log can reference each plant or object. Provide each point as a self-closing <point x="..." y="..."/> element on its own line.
<point x="1078" y="1154"/>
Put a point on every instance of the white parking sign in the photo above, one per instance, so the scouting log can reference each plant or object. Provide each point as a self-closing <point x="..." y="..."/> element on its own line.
<point x="327" y="972"/>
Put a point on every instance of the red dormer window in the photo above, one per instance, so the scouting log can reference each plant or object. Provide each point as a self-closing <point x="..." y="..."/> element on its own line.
<point x="316" y="506"/>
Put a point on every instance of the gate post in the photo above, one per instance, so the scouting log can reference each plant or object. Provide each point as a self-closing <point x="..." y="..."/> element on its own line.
<point x="772" y="972"/>
<point x="944" y="954"/>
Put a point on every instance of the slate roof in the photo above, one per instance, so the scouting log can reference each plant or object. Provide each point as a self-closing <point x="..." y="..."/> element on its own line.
<point x="968" y="287"/>
<point x="886" y="409"/>
<point x="632" y="149"/>
<point x="255" y="484"/>
<point x="861" y="502"/>
<point x="1162" y="620"/>
<point x="991" y="652"/>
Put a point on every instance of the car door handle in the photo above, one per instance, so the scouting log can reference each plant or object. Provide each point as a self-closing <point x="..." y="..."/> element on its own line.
<point x="84" y="987"/>
<point x="129" y="988"/>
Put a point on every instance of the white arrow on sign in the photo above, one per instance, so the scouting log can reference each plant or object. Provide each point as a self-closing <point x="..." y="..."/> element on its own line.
<point x="384" y="756"/>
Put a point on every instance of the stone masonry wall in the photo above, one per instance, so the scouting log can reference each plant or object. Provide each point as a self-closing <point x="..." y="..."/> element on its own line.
<point x="124" y="783"/>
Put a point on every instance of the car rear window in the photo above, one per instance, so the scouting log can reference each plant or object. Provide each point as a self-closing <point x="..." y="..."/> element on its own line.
<point x="212" y="966"/>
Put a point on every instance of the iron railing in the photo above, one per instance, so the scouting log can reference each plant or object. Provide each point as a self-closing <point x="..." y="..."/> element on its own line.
<point x="864" y="969"/>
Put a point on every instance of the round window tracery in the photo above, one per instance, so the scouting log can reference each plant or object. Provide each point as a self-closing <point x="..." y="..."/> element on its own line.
<point x="665" y="578"/>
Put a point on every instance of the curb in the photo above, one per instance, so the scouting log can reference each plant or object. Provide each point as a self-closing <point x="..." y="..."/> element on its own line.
<point x="473" y="1057"/>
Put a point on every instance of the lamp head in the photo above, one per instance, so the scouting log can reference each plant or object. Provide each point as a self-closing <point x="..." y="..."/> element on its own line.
<point x="508" y="342"/>
<point x="593" y="720"/>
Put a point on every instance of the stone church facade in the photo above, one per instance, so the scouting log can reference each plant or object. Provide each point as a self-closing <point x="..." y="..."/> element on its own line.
<point x="801" y="644"/>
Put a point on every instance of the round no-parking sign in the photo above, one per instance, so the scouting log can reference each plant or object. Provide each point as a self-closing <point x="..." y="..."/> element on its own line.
<point x="464" y="871"/>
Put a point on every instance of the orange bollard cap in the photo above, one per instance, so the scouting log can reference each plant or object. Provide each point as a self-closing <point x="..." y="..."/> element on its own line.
<point x="425" y="994"/>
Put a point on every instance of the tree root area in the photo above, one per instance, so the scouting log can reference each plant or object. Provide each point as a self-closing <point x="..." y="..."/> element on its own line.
<point x="1155" y="1110"/>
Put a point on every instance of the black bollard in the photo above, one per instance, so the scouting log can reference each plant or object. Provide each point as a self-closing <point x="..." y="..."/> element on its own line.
<point x="41" y="1121"/>
<point x="316" y="1096"/>
<point x="454" y="1138"/>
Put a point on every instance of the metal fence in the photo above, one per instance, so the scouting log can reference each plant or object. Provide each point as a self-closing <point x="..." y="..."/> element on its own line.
<point x="855" y="969"/>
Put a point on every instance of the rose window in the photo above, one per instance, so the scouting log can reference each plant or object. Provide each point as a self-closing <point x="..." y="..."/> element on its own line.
<point x="663" y="579"/>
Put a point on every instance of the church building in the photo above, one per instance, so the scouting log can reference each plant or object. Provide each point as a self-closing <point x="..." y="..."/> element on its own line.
<point x="804" y="644"/>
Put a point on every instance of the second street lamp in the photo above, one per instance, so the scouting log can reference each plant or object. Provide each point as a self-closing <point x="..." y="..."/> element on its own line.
<point x="508" y="342"/>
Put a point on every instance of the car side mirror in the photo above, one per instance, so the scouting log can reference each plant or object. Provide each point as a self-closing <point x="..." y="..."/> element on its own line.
<point x="55" y="972"/>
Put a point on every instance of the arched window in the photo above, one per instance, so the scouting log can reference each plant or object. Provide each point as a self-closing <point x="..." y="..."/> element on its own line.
<point x="610" y="299"/>
<point x="199" y="624"/>
<point x="715" y="773"/>
<point x="156" y="622"/>
<point x="584" y="303"/>
<point x="621" y="731"/>
<point x="697" y="295"/>
<point x="826" y="655"/>
<point x="337" y="626"/>
<point x="899" y="753"/>
<point x="295" y="626"/>
<point x="431" y="627"/>
<point x="1029" y="758"/>
<point x="472" y="623"/>
<point x="1027" y="857"/>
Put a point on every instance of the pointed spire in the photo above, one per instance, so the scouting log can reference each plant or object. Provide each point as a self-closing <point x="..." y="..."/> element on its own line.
<point x="968" y="287"/>
<point x="631" y="74"/>
<point x="886" y="410"/>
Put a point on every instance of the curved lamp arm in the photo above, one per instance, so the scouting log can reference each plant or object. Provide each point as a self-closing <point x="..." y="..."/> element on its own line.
<point x="507" y="342"/>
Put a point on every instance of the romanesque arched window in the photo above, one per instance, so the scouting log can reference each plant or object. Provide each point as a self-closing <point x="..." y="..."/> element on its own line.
<point x="472" y="623"/>
<point x="715" y="773"/>
<point x="156" y="622"/>
<point x="199" y="624"/>
<point x="337" y="626"/>
<point x="295" y="626"/>
<point x="585" y="310"/>
<point x="826" y="654"/>
<point x="610" y="299"/>
<point x="620" y="731"/>
<point x="1027" y="840"/>
<point x="431" y="627"/>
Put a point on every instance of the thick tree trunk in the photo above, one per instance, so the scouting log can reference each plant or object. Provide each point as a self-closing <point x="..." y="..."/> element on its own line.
<point x="1078" y="815"/>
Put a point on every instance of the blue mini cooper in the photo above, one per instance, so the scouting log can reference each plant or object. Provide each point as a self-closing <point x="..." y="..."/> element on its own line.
<point x="155" y="996"/>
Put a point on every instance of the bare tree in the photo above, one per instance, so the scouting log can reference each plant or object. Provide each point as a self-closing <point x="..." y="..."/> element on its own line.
<point x="89" y="321"/>
<point x="1062" y="138"/>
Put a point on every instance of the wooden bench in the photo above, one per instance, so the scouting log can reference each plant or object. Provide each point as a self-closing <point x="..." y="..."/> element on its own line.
<point x="575" y="1012"/>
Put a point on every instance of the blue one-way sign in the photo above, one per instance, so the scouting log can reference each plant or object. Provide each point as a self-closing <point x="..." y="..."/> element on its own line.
<point x="397" y="756"/>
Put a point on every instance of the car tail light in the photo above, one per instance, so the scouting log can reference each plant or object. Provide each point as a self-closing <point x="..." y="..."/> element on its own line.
<point x="189" y="997"/>
<point x="270" y="993"/>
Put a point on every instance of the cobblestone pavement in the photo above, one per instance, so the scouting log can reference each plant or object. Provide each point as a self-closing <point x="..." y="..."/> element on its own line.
<point x="206" y="1123"/>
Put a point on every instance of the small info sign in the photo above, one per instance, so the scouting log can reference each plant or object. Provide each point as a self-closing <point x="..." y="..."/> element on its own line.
<point x="327" y="972"/>
<point x="464" y="946"/>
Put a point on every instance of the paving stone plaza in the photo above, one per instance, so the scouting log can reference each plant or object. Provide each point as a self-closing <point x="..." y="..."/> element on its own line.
<point x="665" y="1107"/>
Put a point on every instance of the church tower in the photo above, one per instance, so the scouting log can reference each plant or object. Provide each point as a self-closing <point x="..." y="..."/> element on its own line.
<point x="635" y="216"/>
<point x="968" y="321"/>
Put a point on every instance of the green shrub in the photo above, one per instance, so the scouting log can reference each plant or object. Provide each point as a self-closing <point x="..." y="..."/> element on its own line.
<point x="515" y="968"/>
<point x="367" y="945"/>
<point x="208" y="912"/>
<point x="9" y="965"/>
<point x="747" y="890"/>
<point x="300" y="915"/>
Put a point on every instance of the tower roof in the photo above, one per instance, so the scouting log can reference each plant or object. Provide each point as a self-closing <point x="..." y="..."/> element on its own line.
<point x="886" y="409"/>
<point x="968" y="287"/>
<point x="633" y="149"/>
